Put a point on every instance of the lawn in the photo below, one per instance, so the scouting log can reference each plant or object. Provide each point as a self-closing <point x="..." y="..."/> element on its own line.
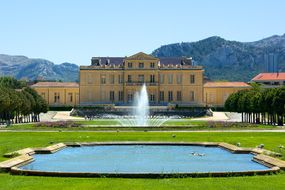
<point x="275" y="182"/>
<point x="11" y="141"/>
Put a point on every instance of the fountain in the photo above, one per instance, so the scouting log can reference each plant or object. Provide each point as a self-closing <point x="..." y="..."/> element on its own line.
<point x="139" y="115"/>
<point x="141" y="109"/>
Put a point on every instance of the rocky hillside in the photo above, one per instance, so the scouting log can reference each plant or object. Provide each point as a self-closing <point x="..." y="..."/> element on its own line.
<point x="222" y="59"/>
<point x="228" y="60"/>
<point x="23" y="67"/>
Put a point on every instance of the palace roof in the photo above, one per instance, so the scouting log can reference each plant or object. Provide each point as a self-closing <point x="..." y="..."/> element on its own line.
<point x="226" y="84"/>
<point x="120" y="60"/>
<point x="56" y="84"/>
<point x="141" y="56"/>
<point x="269" y="77"/>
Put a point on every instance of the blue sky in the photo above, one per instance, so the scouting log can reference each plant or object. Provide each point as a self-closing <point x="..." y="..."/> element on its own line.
<point x="76" y="30"/>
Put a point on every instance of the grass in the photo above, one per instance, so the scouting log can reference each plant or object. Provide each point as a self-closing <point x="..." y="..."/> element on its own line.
<point x="274" y="182"/>
<point x="11" y="141"/>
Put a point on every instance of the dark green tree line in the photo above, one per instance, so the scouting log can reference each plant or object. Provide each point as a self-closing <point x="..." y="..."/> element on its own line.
<point x="259" y="105"/>
<point x="19" y="103"/>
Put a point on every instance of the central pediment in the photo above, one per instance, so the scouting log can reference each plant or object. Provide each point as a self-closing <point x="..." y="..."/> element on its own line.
<point x="141" y="56"/>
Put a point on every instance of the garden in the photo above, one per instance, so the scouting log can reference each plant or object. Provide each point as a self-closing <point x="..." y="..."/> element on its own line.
<point x="11" y="141"/>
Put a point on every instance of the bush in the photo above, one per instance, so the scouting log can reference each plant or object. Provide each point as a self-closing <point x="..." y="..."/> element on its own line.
<point x="60" y="108"/>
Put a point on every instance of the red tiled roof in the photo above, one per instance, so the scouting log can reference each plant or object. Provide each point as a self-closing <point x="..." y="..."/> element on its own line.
<point x="56" y="84"/>
<point x="226" y="84"/>
<point x="269" y="76"/>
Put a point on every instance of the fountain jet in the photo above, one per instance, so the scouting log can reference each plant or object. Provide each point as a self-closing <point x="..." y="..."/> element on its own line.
<point x="141" y="107"/>
<point x="140" y="112"/>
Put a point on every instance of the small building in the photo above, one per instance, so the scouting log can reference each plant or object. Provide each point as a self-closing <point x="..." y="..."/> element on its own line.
<point x="216" y="93"/>
<point x="58" y="93"/>
<point x="270" y="80"/>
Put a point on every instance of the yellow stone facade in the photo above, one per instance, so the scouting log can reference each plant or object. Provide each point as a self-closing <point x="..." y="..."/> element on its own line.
<point x="116" y="80"/>
<point x="58" y="93"/>
<point x="105" y="83"/>
<point x="216" y="93"/>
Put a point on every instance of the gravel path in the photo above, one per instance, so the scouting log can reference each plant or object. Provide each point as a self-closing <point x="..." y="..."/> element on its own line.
<point x="58" y="116"/>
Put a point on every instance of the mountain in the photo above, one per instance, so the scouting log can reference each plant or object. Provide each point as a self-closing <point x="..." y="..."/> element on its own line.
<point x="228" y="60"/>
<point x="222" y="59"/>
<point x="23" y="67"/>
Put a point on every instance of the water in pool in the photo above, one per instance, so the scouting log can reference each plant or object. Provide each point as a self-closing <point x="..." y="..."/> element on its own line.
<point x="143" y="159"/>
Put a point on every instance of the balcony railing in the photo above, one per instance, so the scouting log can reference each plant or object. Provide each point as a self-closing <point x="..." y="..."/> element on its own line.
<point x="139" y="83"/>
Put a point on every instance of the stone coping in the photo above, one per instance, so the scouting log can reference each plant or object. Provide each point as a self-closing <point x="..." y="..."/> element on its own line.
<point x="17" y="161"/>
<point x="23" y="155"/>
<point x="149" y="143"/>
<point x="265" y="159"/>
<point x="28" y="151"/>
<point x="50" y="149"/>
<point x="274" y="165"/>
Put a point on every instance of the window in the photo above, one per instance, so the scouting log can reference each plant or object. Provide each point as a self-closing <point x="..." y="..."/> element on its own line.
<point x="121" y="96"/>
<point x="56" y="97"/>
<point x="103" y="79"/>
<point x="161" y="96"/>
<point x="121" y="79"/>
<point x="43" y="95"/>
<point x="170" y="96"/>
<point x="152" y="78"/>
<point x="141" y="78"/>
<point x="161" y="78"/>
<point x="141" y="65"/>
<point x="112" y="79"/>
<point x="192" y="96"/>
<point x="112" y="96"/>
<point x="130" y="97"/>
<point x="179" y="96"/>
<point x="152" y="97"/>
<point x="130" y="64"/>
<point x="170" y="78"/>
<point x="70" y="97"/>
<point x="179" y="78"/>
<point x="192" y="79"/>
<point x="129" y="78"/>
<point x="152" y="65"/>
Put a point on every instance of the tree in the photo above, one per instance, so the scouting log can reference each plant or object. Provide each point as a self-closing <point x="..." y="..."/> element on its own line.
<point x="259" y="105"/>
<point x="278" y="103"/>
<point x="19" y="103"/>
<point x="10" y="82"/>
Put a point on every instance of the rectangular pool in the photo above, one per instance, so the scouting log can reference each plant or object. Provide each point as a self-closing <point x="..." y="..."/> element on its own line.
<point x="143" y="159"/>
